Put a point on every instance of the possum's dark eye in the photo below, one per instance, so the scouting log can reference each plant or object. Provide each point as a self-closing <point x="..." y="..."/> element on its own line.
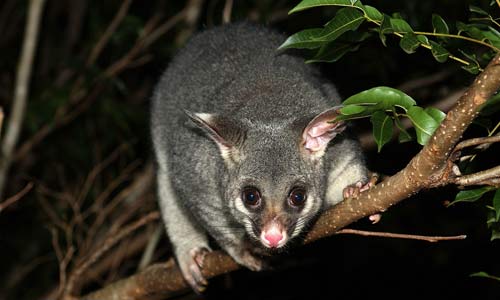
<point x="251" y="196"/>
<point x="297" y="196"/>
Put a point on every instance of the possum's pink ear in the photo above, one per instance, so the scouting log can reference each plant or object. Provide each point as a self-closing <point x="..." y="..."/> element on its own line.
<point x="320" y="131"/>
<point x="225" y="132"/>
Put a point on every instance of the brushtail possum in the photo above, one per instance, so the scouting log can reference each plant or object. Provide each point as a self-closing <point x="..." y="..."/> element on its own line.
<point x="245" y="149"/>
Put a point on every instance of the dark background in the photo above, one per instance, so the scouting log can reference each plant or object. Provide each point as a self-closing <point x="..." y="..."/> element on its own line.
<point x="113" y="114"/>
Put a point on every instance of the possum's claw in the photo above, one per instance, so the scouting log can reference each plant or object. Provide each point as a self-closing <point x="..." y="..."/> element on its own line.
<point x="354" y="190"/>
<point x="191" y="268"/>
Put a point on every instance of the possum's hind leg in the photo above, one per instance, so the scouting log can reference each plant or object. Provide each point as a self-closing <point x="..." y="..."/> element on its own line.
<point x="188" y="238"/>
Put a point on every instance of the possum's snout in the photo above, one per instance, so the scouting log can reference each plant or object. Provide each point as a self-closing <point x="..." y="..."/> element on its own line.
<point x="273" y="235"/>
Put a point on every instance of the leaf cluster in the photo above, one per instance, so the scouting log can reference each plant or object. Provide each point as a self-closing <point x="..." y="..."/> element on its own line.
<point x="386" y="106"/>
<point x="343" y="34"/>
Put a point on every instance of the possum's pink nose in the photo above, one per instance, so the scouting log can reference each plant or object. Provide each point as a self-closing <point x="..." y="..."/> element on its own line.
<point x="273" y="237"/>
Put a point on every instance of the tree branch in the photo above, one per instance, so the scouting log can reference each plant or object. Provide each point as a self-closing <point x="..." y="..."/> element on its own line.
<point x="96" y="51"/>
<point x="226" y="13"/>
<point x="424" y="169"/>
<point x="431" y="239"/>
<point x="24" y="68"/>
<point x="486" y="177"/>
<point x="80" y="98"/>
<point x="107" y="244"/>
<point x="477" y="141"/>
<point x="18" y="196"/>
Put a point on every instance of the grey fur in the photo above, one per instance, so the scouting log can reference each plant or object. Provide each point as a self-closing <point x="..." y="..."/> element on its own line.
<point x="264" y="100"/>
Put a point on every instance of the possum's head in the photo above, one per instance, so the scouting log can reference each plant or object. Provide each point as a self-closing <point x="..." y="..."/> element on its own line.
<point x="275" y="178"/>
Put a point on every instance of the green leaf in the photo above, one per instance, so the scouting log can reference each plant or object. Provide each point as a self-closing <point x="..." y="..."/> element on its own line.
<point x="469" y="56"/>
<point x="495" y="233"/>
<point x="439" y="52"/>
<point x="423" y="39"/>
<point x="481" y="32"/>
<point x="307" y="4"/>
<point x="345" y="20"/>
<point x="404" y="136"/>
<point x="352" y="109"/>
<point x="333" y="51"/>
<point x="409" y="42"/>
<point x="424" y="124"/>
<point x="496" y="204"/>
<point x="470" y="195"/>
<point x="400" y="25"/>
<point x="382" y="128"/>
<point x="384" y="95"/>
<point x="472" y="68"/>
<point x="439" y="24"/>
<point x="305" y="39"/>
<point x="478" y="10"/>
<point x="385" y="28"/>
<point x="373" y="13"/>
<point x="484" y="275"/>
<point x="436" y="114"/>
<point x="492" y="222"/>
<point x="492" y="35"/>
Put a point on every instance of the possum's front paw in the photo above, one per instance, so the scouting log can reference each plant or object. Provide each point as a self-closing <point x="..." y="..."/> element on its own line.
<point x="191" y="265"/>
<point x="354" y="190"/>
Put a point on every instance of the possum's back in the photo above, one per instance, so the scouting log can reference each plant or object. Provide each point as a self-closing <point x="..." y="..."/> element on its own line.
<point x="236" y="70"/>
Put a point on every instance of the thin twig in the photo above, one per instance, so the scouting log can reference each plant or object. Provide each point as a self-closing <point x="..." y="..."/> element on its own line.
<point x="164" y="28"/>
<point x="19" y="102"/>
<point x="16" y="197"/>
<point x="477" y="141"/>
<point x="65" y="115"/>
<point x="63" y="260"/>
<point x="97" y="169"/>
<point x="96" y="51"/>
<point x="106" y="245"/>
<point x="134" y="246"/>
<point x="456" y="36"/>
<point x="486" y="177"/>
<point x="2" y="115"/>
<point x="431" y="239"/>
<point x="81" y="99"/>
<point x="193" y="11"/>
<point x="103" y="211"/>
<point x="226" y="14"/>
<point x="49" y="211"/>
<point x="147" y="255"/>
